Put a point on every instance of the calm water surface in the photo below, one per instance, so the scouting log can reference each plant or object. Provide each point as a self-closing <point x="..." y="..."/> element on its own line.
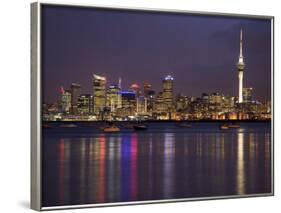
<point x="83" y="165"/>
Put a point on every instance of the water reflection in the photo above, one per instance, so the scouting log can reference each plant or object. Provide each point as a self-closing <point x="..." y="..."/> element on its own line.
<point x="82" y="181"/>
<point x="102" y="165"/>
<point x="145" y="166"/>
<point x="168" y="165"/>
<point x="134" y="168"/>
<point x="63" y="174"/>
<point x="240" y="165"/>
<point x="110" y="169"/>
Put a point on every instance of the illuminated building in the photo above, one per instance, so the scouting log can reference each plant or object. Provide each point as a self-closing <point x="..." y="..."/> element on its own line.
<point x="99" y="94"/>
<point x="215" y="98"/>
<point x="119" y="95"/>
<point x="240" y="67"/>
<point x="228" y="103"/>
<point x="85" y="104"/>
<point x="136" y="89"/>
<point x="167" y="93"/>
<point x="142" y="105"/>
<point x="181" y="102"/>
<point x="215" y="103"/>
<point x="146" y="89"/>
<point x="128" y="99"/>
<point x="65" y="100"/>
<point x="128" y="104"/>
<point x="205" y="98"/>
<point x="149" y="96"/>
<point x="112" y="97"/>
<point x="158" y="107"/>
<point x="150" y="100"/>
<point x="75" y="93"/>
<point x="247" y="94"/>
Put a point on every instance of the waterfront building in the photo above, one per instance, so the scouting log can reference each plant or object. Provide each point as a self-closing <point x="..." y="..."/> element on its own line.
<point x="159" y="104"/>
<point x="215" y="98"/>
<point x="128" y="104"/>
<point x="149" y="96"/>
<point x="65" y="100"/>
<point x="112" y="98"/>
<point x="84" y="105"/>
<point x="150" y="100"/>
<point x="240" y="67"/>
<point x="205" y="98"/>
<point x="142" y="105"/>
<point x="228" y="103"/>
<point x="247" y="95"/>
<point x="199" y="109"/>
<point x="167" y="92"/>
<point x="99" y="95"/>
<point x="119" y="104"/>
<point x="147" y="89"/>
<point x="75" y="93"/>
<point x="136" y="89"/>
<point x="215" y="103"/>
<point x="181" y="102"/>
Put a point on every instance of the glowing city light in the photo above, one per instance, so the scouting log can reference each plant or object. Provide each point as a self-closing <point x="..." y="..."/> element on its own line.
<point x="99" y="77"/>
<point x="169" y="77"/>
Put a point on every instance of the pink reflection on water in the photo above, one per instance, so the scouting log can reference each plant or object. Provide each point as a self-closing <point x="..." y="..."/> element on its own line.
<point x="134" y="171"/>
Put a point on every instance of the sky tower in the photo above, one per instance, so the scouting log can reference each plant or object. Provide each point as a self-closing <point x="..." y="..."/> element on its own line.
<point x="240" y="66"/>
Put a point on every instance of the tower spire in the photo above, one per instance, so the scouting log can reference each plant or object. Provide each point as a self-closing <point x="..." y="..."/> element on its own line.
<point x="240" y="66"/>
<point x="241" y="59"/>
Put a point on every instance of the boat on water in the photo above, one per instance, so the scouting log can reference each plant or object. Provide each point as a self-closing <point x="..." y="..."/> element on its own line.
<point x="230" y="126"/>
<point x="224" y="126"/>
<point x="184" y="125"/>
<point x="68" y="125"/>
<point x="140" y="127"/>
<point x="234" y="126"/>
<point x="111" y="129"/>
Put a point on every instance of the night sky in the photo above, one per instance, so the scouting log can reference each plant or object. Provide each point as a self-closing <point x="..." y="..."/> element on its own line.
<point x="200" y="52"/>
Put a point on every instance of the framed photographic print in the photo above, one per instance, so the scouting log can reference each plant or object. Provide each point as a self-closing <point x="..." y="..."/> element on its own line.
<point x="136" y="105"/>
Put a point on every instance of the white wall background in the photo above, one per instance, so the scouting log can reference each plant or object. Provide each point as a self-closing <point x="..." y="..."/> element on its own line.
<point x="15" y="105"/>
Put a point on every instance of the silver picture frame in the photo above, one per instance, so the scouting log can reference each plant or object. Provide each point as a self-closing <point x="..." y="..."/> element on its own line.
<point x="36" y="101"/>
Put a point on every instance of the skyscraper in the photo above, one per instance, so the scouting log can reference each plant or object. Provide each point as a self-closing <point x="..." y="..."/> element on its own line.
<point x="146" y="89"/>
<point x="75" y="93"/>
<point x="99" y="94"/>
<point x="240" y="66"/>
<point x="136" y="89"/>
<point x="159" y="106"/>
<point x="113" y="97"/>
<point x="128" y="103"/>
<point x="167" y="94"/>
<point x="84" y="104"/>
<point x="149" y="95"/>
<point x="65" y="100"/>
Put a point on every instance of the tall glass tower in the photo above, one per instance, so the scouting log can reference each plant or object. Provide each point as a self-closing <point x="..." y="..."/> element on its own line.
<point x="168" y="91"/>
<point x="75" y="93"/>
<point x="99" y="94"/>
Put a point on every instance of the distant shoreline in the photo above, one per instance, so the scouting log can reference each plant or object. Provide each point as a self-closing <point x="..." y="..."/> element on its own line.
<point x="168" y="121"/>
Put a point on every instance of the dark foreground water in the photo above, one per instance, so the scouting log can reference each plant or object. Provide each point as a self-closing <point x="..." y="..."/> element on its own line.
<point x="83" y="165"/>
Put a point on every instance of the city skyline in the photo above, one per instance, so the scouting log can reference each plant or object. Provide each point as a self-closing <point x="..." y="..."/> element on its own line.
<point x="197" y="68"/>
<point x="144" y="106"/>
